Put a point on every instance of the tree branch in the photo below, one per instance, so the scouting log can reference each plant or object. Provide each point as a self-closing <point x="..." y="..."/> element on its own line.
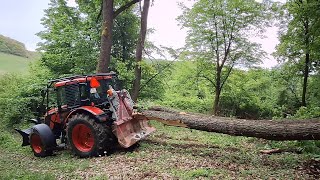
<point x="227" y="50"/>
<point x="217" y="41"/>
<point x="212" y="82"/>
<point x="228" y="74"/>
<point x="124" y="7"/>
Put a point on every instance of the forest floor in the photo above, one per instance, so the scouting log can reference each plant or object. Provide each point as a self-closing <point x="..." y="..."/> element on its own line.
<point x="169" y="153"/>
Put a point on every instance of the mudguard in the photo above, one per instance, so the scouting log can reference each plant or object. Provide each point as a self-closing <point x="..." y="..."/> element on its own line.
<point x="100" y="115"/>
<point x="47" y="137"/>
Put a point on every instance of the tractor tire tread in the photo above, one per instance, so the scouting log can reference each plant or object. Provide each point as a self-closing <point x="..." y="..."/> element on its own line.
<point x="100" y="131"/>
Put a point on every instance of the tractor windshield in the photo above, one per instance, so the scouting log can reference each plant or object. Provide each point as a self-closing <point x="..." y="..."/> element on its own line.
<point x="98" y="94"/>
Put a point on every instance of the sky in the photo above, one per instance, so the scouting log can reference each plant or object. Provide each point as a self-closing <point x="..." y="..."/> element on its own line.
<point x="21" y="20"/>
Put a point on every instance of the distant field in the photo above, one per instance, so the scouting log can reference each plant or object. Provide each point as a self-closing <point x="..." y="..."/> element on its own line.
<point x="12" y="63"/>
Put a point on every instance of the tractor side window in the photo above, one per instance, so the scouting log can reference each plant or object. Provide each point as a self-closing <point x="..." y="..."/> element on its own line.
<point x="69" y="95"/>
<point x="84" y="92"/>
<point x="51" y="99"/>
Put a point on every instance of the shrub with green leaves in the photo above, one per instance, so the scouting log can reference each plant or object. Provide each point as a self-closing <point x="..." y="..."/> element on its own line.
<point x="20" y="94"/>
<point x="307" y="113"/>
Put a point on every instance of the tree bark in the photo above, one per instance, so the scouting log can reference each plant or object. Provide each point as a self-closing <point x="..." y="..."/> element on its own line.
<point x="265" y="129"/>
<point x="306" y="65"/>
<point x="139" y="49"/>
<point x="217" y="92"/>
<point x="305" y="80"/>
<point x="106" y="37"/>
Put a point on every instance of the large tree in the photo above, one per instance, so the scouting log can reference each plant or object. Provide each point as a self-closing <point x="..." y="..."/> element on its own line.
<point x="218" y="37"/>
<point x="71" y="39"/>
<point x="299" y="41"/>
<point x="108" y="14"/>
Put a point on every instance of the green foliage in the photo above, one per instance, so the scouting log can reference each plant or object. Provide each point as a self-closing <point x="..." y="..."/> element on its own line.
<point x="251" y="94"/>
<point x="20" y="95"/>
<point x="218" y="37"/>
<point x="11" y="46"/>
<point x="72" y="38"/>
<point x="68" y="47"/>
<point x="185" y="91"/>
<point x="299" y="31"/>
<point x="314" y="90"/>
<point x="307" y="113"/>
<point x="199" y="173"/>
<point x="154" y="77"/>
<point x="299" y="40"/>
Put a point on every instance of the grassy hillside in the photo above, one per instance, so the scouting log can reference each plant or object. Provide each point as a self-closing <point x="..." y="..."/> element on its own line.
<point x="13" y="63"/>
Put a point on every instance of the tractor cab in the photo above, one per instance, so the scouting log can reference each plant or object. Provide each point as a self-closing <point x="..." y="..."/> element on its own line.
<point x="79" y="109"/>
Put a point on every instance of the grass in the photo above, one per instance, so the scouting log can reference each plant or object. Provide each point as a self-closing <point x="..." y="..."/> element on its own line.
<point x="169" y="153"/>
<point x="12" y="63"/>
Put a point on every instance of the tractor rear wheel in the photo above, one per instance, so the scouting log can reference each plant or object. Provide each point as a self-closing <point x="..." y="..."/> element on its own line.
<point x="86" y="137"/>
<point x="42" y="140"/>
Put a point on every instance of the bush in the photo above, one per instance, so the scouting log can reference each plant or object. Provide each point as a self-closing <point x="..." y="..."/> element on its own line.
<point x="307" y="113"/>
<point x="20" y="95"/>
<point x="191" y="103"/>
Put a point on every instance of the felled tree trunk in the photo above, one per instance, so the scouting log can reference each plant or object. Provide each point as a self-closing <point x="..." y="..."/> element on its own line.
<point x="266" y="129"/>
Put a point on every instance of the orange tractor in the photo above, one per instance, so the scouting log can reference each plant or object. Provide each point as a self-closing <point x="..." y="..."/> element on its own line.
<point x="86" y="114"/>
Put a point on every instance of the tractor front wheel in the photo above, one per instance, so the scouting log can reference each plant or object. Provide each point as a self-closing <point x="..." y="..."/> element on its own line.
<point x="85" y="136"/>
<point x="42" y="140"/>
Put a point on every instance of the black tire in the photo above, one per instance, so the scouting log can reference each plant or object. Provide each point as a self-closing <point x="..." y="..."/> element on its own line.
<point x="86" y="137"/>
<point x="42" y="140"/>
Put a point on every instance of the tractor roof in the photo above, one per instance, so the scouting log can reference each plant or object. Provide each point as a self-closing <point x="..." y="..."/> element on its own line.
<point x="80" y="79"/>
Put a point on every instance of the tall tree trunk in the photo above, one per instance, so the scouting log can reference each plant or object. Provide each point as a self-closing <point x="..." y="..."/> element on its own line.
<point x="217" y="92"/>
<point x="266" y="129"/>
<point x="305" y="79"/>
<point x="139" y="49"/>
<point x="106" y="37"/>
<point x="307" y="63"/>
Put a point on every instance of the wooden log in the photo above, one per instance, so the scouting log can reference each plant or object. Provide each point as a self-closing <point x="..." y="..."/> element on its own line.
<point x="266" y="129"/>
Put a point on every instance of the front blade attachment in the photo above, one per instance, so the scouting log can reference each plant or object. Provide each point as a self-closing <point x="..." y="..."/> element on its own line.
<point x="131" y="131"/>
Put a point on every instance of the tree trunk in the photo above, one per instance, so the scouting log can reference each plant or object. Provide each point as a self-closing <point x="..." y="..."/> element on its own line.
<point x="305" y="79"/>
<point x="266" y="129"/>
<point x="139" y="49"/>
<point x="216" y="101"/>
<point x="306" y="65"/>
<point x="217" y="92"/>
<point x="106" y="37"/>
